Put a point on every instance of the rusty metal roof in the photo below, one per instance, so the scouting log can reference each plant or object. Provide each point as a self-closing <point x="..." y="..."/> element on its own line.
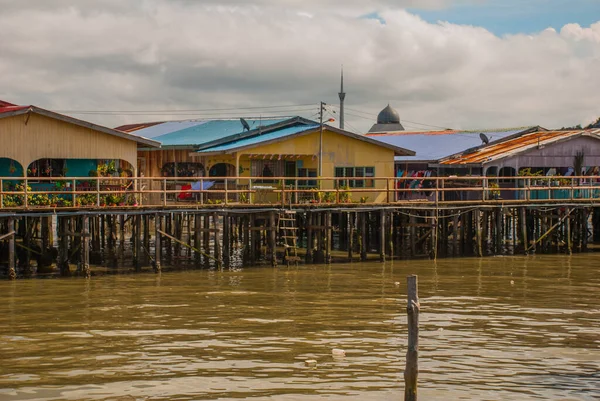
<point x="431" y="146"/>
<point x="513" y="146"/>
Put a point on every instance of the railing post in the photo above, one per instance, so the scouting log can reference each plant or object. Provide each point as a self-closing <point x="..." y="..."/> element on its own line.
<point x="387" y="183"/>
<point x="226" y="195"/>
<point x="74" y="193"/>
<point x="26" y="200"/>
<point x="296" y="191"/>
<point x="250" y="191"/>
<point x="483" y="189"/>
<point x="572" y="188"/>
<point x="1" y="194"/>
<point x="164" y="192"/>
<point x="98" y="191"/>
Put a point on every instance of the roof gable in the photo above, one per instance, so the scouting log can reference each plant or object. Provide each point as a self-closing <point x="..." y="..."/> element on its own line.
<point x="287" y="132"/>
<point x="9" y="111"/>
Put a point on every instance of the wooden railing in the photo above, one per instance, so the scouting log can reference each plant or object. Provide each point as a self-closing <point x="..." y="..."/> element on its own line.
<point x="129" y="192"/>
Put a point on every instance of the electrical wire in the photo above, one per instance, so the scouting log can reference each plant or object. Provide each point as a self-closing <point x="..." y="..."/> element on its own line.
<point x="372" y="117"/>
<point x="177" y="111"/>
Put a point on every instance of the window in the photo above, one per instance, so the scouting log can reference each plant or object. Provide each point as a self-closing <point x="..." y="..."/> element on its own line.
<point x="267" y="168"/>
<point x="355" y="172"/>
<point x="307" y="172"/>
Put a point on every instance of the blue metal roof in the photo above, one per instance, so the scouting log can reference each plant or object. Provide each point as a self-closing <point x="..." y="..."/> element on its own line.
<point x="257" y="139"/>
<point x="199" y="132"/>
<point x="432" y="147"/>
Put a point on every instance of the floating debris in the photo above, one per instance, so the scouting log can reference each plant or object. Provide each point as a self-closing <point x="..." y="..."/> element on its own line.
<point x="339" y="353"/>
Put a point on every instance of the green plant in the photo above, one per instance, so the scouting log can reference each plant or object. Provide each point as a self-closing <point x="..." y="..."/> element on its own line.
<point x="244" y="198"/>
<point x="526" y="172"/>
<point x="327" y="197"/>
<point x="38" y="200"/>
<point x="86" y="200"/>
<point x="494" y="191"/>
<point x="344" y="196"/>
<point x="364" y="199"/>
<point x="107" y="169"/>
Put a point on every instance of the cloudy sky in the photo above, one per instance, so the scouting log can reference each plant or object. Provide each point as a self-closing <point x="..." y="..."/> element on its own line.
<point x="451" y="63"/>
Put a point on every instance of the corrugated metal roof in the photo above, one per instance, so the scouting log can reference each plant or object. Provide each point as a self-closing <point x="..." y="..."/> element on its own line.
<point x="258" y="139"/>
<point x="517" y="145"/>
<point x="135" y="127"/>
<point x="435" y="145"/>
<point x="198" y="132"/>
<point x="6" y="107"/>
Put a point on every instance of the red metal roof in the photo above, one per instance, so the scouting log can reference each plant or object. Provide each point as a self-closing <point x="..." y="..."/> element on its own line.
<point x="6" y="107"/>
<point x="136" y="127"/>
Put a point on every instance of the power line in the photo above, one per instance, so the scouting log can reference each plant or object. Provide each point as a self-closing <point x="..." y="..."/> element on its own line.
<point x="295" y="106"/>
<point x="372" y="117"/>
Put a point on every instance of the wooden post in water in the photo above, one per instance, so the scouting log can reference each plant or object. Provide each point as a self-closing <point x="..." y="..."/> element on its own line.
<point x="412" y="354"/>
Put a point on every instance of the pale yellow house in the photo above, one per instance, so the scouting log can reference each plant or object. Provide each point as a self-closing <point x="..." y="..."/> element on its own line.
<point x="334" y="158"/>
<point x="39" y="142"/>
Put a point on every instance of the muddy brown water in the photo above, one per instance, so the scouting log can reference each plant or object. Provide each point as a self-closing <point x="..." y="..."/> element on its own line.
<point x="506" y="328"/>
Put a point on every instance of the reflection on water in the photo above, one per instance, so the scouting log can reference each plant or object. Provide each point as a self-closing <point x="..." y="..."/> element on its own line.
<point x="491" y="329"/>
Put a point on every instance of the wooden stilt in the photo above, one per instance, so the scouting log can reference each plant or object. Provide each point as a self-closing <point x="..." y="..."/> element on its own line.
<point x="85" y="246"/>
<point x="217" y="244"/>
<point x="157" y="243"/>
<point x="382" y="239"/>
<point x="478" y="233"/>
<point x="12" y="272"/>
<point x="206" y="240"/>
<point x="350" y="238"/>
<point x="137" y="243"/>
<point x="309" y="237"/>
<point x="273" y="239"/>
<point x="568" y="232"/>
<point x="363" y="235"/>
<point x="227" y="241"/>
<point x="328" y="236"/>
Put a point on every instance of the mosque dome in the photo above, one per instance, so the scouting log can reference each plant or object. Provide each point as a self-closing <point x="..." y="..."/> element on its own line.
<point x="388" y="116"/>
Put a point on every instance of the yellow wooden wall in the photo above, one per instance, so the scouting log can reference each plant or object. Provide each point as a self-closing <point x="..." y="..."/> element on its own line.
<point x="27" y="138"/>
<point x="338" y="151"/>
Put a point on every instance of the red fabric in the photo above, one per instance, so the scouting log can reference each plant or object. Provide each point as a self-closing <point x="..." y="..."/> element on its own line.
<point x="185" y="195"/>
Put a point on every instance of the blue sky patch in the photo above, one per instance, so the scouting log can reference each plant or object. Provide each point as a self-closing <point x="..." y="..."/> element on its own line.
<point x="503" y="17"/>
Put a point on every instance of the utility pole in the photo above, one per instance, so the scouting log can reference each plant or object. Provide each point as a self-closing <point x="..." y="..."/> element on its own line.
<point x="321" y="114"/>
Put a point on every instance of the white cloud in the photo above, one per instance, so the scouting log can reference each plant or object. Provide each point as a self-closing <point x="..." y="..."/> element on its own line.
<point x="159" y="54"/>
